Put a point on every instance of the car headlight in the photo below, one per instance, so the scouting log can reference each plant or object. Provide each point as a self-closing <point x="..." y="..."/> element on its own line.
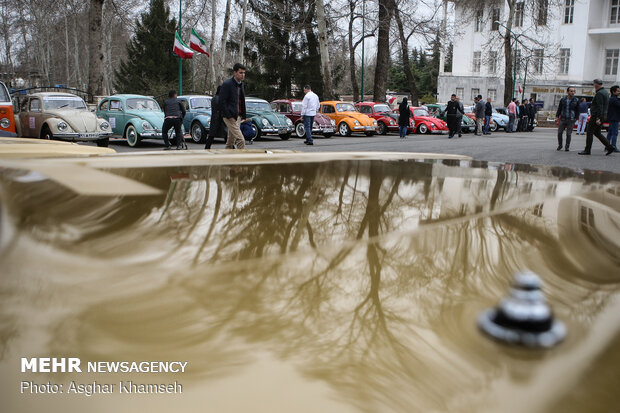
<point x="62" y="126"/>
<point x="333" y="122"/>
<point x="315" y="125"/>
<point x="374" y="122"/>
<point x="146" y="125"/>
<point x="5" y="123"/>
<point x="433" y="126"/>
<point x="289" y="122"/>
<point x="356" y="123"/>
<point x="265" y="122"/>
<point x="392" y="121"/>
<point x="104" y="125"/>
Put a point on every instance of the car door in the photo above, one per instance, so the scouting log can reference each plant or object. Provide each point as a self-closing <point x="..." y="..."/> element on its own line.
<point x="116" y="116"/>
<point x="35" y="115"/>
<point x="189" y="115"/>
<point x="24" y="117"/>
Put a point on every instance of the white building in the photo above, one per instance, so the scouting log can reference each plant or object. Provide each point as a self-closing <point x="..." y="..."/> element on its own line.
<point x="579" y="41"/>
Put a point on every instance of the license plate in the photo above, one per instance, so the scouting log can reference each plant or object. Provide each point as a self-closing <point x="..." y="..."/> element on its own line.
<point x="328" y="130"/>
<point x="370" y="128"/>
<point x="282" y="131"/>
<point x="87" y="135"/>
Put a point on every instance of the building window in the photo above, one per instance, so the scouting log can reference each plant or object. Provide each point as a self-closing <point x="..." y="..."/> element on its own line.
<point x="460" y="92"/>
<point x="538" y="60"/>
<point x="541" y="19"/>
<point x="519" y="8"/>
<point x="564" y="61"/>
<point x="479" y="25"/>
<point x="615" y="12"/>
<point x="476" y="62"/>
<point x="492" y="93"/>
<point x="569" y="11"/>
<point x="495" y="19"/>
<point x="492" y="62"/>
<point x="474" y="93"/>
<point x="611" y="61"/>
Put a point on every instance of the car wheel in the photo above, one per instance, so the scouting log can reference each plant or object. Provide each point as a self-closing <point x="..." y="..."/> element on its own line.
<point x="328" y="135"/>
<point x="46" y="133"/>
<point x="198" y="133"/>
<point x="300" y="130"/>
<point x="344" y="129"/>
<point x="285" y="136"/>
<point x="422" y="128"/>
<point x="256" y="132"/>
<point x="131" y="134"/>
<point x="382" y="129"/>
<point x="103" y="142"/>
<point x="493" y="127"/>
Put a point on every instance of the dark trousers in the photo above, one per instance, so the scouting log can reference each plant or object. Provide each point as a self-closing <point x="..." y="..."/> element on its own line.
<point x="172" y="123"/>
<point x="594" y="129"/>
<point x="459" y="124"/>
<point x="565" y="124"/>
<point x="452" y="124"/>
<point x="308" y="122"/>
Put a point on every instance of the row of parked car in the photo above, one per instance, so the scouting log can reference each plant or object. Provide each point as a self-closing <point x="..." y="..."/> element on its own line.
<point x="55" y="115"/>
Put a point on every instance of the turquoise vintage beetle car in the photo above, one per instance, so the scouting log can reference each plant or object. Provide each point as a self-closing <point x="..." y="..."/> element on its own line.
<point x="132" y="117"/>
<point x="266" y="121"/>
<point x="197" y="120"/>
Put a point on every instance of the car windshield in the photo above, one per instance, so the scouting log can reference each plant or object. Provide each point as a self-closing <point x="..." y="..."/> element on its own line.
<point x="4" y="94"/>
<point x="296" y="106"/>
<point x="143" y="104"/>
<point x="64" y="102"/>
<point x="201" y="103"/>
<point x="420" y="112"/>
<point x="382" y="108"/>
<point x="253" y="105"/>
<point x="345" y="107"/>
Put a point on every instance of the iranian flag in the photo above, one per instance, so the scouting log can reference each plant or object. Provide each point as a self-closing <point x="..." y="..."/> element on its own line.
<point x="197" y="43"/>
<point x="181" y="49"/>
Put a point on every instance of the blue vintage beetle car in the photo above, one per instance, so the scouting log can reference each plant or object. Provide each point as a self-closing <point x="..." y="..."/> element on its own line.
<point x="198" y="117"/>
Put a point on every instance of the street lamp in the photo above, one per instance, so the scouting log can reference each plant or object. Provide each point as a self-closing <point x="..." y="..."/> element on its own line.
<point x="514" y="65"/>
<point x="363" y="37"/>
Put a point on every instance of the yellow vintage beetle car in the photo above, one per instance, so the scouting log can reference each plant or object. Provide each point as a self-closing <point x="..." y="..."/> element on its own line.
<point x="348" y="119"/>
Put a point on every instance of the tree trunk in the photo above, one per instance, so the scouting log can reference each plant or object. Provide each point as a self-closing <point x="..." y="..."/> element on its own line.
<point x="214" y="80"/>
<point x="224" y="40"/>
<point x="67" y="53"/>
<point x="508" y="55"/>
<point x="76" y="54"/>
<point x="95" y="48"/>
<point x="328" y="92"/>
<point x="405" y="53"/>
<point x="242" y="42"/>
<point x="355" y="87"/>
<point x="383" y="50"/>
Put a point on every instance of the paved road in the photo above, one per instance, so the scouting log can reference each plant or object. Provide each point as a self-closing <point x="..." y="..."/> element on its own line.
<point x="536" y="147"/>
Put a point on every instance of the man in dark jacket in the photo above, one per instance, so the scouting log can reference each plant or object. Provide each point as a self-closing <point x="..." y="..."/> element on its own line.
<point x="174" y="112"/>
<point x="488" y="114"/>
<point x="451" y="111"/>
<point x="232" y="105"/>
<point x="404" y="116"/>
<point x="613" y="116"/>
<point x="598" y="114"/>
<point x="532" y="115"/>
<point x="566" y="115"/>
<point x="216" y="128"/>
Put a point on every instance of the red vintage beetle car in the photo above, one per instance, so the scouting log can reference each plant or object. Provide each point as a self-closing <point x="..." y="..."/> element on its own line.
<point x="291" y="108"/>
<point x="424" y="122"/>
<point x="382" y="113"/>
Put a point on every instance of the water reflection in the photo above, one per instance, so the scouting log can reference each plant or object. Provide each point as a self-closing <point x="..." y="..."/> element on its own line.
<point x="364" y="275"/>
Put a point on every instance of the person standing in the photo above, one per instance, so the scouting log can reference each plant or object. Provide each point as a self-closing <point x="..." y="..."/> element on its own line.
<point x="174" y="112"/>
<point x="451" y="111"/>
<point x="522" y="116"/>
<point x="309" y="106"/>
<point x="532" y="115"/>
<point x="404" y="114"/>
<point x="215" y="127"/>
<point x="479" y="112"/>
<point x="459" y="116"/>
<point x="512" y="114"/>
<point x="598" y="113"/>
<point x="488" y="114"/>
<point x="583" y="116"/>
<point x="613" y="116"/>
<point x="232" y="101"/>
<point x="568" y="111"/>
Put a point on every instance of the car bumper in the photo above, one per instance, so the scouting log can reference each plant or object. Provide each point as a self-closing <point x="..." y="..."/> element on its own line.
<point x="364" y="128"/>
<point x="151" y="135"/>
<point x="83" y="137"/>
<point x="279" y="131"/>
<point x="7" y="134"/>
<point x="439" y="132"/>
<point x="323" y="130"/>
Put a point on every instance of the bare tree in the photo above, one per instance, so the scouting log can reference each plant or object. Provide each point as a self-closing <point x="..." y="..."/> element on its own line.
<point x="383" y="49"/>
<point x="95" y="48"/>
<point x="242" y="41"/>
<point x="328" y="90"/>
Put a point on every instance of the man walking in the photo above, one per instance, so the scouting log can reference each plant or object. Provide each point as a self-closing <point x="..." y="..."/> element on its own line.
<point x="568" y="111"/>
<point x="598" y="113"/>
<point x="488" y="113"/>
<point x="512" y="115"/>
<point x="309" y="106"/>
<point x="532" y="115"/>
<point x="404" y="116"/>
<point x="451" y="110"/>
<point x="459" y="116"/>
<point x="613" y="116"/>
<point x="583" y="116"/>
<point x="479" y="112"/>
<point x="174" y="112"/>
<point x="232" y="106"/>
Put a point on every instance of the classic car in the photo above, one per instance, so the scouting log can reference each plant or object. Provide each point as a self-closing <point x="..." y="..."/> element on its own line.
<point x="266" y="121"/>
<point x="469" y="112"/>
<point x="382" y="113"/>
<point x="348" y="119"/>
<point x="504" y="111"/>
<point x="133" y="117"/>
<point x="352" y="284"/>
<point x="436" y="110"/>
<point x="7" y="121"/>
<point x="291" y="108"/>
<point x="424" y="122"/>
<point x="197" y="117"/>
<point x="52" y="115"/>
<point x="604" y="126"/>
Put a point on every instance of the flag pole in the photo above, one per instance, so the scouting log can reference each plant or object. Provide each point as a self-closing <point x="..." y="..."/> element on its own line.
<point x="180" y="60"/>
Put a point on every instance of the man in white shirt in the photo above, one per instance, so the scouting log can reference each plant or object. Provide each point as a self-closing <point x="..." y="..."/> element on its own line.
<point x="309" y="106"/>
